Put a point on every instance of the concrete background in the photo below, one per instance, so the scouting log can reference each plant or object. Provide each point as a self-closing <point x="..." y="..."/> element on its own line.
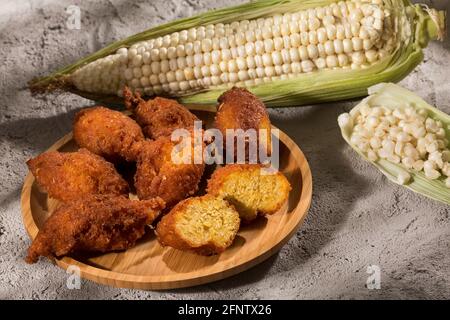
<point x="357" y="217"/>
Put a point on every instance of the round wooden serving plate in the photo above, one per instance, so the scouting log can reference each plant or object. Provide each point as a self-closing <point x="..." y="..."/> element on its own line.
<point x="150" y="266"/>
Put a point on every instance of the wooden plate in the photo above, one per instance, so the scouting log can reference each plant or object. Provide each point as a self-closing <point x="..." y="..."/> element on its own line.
<point x="150" y="266"/>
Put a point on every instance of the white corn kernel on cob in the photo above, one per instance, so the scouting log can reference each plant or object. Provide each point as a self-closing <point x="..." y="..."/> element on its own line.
<point x="285" y="52"/>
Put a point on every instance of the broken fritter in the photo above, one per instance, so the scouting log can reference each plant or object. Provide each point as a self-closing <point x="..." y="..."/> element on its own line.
<point x="250" y="189"/>
<point x="70" y="175"/>
<point x="108" y="133"/>
<point x="99" y="223"/>
<point x="205" y="225"/>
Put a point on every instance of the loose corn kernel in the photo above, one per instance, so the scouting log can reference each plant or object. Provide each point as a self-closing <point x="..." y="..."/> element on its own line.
<point x="401" y="135"/>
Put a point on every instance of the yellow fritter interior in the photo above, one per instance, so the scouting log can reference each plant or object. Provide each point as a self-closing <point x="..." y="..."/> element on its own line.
<point x="251" y="192"/>
<point x="209" y="220"/>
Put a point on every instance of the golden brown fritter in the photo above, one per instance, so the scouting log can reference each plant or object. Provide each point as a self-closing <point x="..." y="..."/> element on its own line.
<point x="93" y="224"/>
<point x="108" y="133"/>
<point x="69" y="175"/>
<point x="160" y="116"/>
<point x="250" y="189"/>
<point x="205" y="225"/>
<point x="240" y="109"/>
<point x="158" y="175"/>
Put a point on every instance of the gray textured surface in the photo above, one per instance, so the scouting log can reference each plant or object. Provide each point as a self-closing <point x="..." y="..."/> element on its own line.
<point x="357" y="217"/>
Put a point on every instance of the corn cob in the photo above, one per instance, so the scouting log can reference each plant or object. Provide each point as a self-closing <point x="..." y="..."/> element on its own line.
<point x="287" y="52"/>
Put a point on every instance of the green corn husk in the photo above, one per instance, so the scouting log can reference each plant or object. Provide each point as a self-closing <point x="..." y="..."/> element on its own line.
<point x="391" y="95"/>
<point x="417" y="25"/>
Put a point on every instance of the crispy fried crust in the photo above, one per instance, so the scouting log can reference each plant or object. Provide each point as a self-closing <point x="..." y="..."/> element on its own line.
<point x="70" y="175"/>
<point x="159" y="117"/>
<point x="222" y="175"/>
<point x="94" y="224"/>
<point x="240" y="109"/>
<point x="169" y="234"/>
<point x="158" y="176"/>
<point x="106" y="132"/>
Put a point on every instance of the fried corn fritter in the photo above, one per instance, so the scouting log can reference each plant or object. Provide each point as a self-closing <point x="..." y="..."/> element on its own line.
<point x="205" y="225"/>
<point x="108" y="133"/>
<point x="93" y="224"/>
<point x="158" y="175"/>
<point x="240" y="109"/>
<point x="70" y="175"/>
<point x="249" y="189"/>
<point x="159" y="116"/>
